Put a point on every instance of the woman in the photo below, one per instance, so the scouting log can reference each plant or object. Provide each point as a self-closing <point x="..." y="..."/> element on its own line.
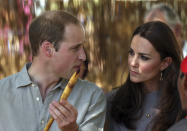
<point x="153" y="61"/>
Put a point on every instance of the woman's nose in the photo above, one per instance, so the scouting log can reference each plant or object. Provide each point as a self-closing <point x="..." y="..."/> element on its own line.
<point x="134" y="61"/>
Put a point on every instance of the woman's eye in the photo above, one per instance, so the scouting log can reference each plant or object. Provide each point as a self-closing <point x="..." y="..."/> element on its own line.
<point x="131" y="52"/>
<point x="144" y="58"/>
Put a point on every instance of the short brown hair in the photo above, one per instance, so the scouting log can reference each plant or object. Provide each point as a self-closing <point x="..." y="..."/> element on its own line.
<point x="49" y="26"/>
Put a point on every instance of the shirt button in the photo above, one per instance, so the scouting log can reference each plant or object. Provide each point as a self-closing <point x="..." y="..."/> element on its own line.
<point x="42" y="122"/>
<point x="37" y="98"/>
<point x="33" y="85"/>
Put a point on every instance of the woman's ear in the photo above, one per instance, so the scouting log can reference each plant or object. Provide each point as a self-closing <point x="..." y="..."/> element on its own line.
<point x="165" y="63"/>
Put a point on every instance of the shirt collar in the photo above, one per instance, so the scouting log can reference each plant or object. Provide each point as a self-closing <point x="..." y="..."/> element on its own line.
<point x="62" y="84"/>
<point x="23" y="79"/>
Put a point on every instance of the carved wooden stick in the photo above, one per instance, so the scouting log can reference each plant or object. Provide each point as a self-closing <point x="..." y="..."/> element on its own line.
<point x="65" y="95"/>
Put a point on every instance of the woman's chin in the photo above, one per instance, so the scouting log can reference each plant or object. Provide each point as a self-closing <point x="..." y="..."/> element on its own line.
<point x="135" y="80"/>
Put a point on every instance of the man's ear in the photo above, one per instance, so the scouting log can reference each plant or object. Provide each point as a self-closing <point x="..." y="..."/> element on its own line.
<point x="165" y="63"/>
<point x="47" y="48"/>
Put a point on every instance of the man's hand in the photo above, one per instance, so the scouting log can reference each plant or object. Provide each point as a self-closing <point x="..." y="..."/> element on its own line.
<point x="64" y="114"/>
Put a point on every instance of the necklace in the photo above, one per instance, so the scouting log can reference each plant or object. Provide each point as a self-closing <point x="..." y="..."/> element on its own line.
<point x="147" y="115"/>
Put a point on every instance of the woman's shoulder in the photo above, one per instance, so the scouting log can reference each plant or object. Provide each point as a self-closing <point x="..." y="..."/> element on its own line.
<point x="110" y="95"/>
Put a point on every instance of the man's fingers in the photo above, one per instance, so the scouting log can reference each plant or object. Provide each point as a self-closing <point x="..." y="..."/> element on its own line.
<point x="53" y="114"/>
<point x="64" y="114"/>
<point x="56" y="113"/>
<point x="62" y="109"/>
<point x="69" y="107"/>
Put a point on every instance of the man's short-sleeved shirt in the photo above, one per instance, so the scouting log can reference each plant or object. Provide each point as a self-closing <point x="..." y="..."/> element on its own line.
<point x="22" y="108"/>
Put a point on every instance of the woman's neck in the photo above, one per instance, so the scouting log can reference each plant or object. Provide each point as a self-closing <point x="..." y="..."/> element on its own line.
<point x="151" y="86"/>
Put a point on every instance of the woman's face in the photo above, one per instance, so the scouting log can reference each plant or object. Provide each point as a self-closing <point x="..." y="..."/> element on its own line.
<point x="143" y="61"/>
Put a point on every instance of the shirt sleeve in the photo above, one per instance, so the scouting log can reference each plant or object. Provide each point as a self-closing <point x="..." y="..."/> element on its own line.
<point x="95" y="117"/>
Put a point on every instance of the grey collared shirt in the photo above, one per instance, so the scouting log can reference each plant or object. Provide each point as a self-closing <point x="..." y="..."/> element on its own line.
<point x="22" y="108"/>
<point x="149" y="111"/>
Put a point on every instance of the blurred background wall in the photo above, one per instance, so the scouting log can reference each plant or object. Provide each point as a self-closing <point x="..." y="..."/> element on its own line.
<point x="108" y="23"/>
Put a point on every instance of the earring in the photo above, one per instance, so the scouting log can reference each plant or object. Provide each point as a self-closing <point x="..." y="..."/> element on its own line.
<point x="161" y="76"/>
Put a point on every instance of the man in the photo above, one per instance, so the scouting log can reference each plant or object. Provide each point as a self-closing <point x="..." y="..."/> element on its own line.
<point x="28" y="98"/>
<point x="182" y="88"/>
<point x="164" y="13"/>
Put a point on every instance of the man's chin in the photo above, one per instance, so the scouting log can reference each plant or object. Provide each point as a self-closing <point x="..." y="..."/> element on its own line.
<point x="76" y="69"/>
<point x="68" y="76"/>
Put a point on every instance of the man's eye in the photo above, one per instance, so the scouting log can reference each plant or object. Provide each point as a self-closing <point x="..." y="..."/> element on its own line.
<point x="76" y="48"/>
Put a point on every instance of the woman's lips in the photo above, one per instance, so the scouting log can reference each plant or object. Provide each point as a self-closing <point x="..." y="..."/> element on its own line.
<point x="134" y="73"/>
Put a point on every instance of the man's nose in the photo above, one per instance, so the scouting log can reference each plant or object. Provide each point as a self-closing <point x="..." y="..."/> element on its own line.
<point x="82" y="55"/>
